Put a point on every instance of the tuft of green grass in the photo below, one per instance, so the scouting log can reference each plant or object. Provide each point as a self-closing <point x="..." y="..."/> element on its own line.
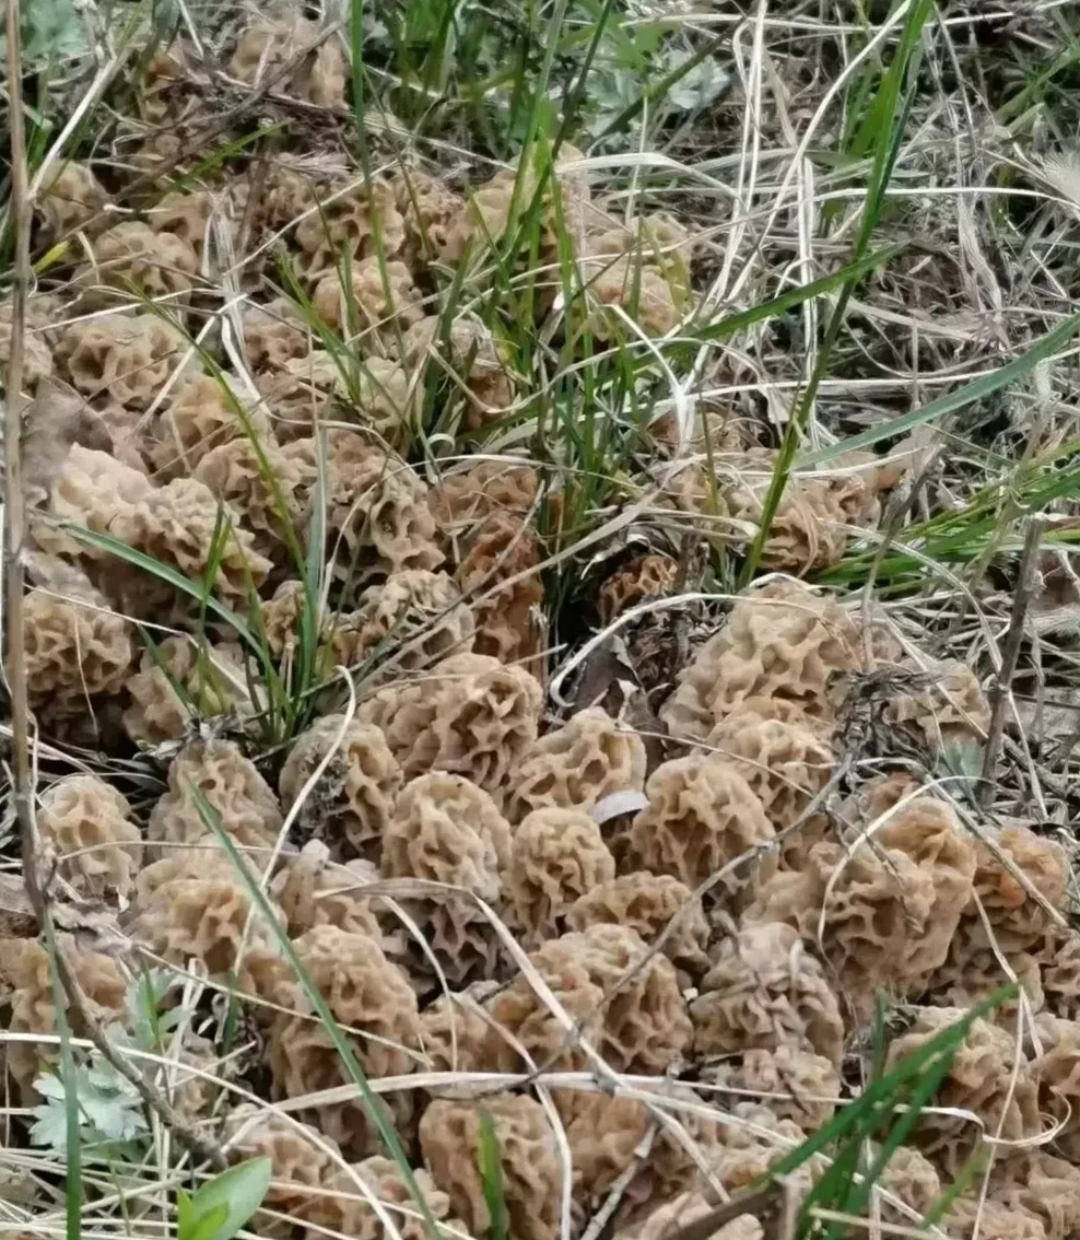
<point x="882" y="132"/>
<point x="882" y="1117"/>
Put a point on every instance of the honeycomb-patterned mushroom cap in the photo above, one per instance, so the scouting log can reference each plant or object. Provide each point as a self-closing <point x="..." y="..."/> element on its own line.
<point x="366" y="993"/>
<point x="972" y="971"/>
<point x="181" y="525"/>
<point x="201" y="415"/>
<point x="311" y="891"/>
<point x="416" y="609"/>
<point x="929" y="832"/>
<point x="489" y="209"/>
<point x="590" y="757"/>
<point x="213" y="681"/>
<point x="1058" y="956"/>
<point x="94" y="491"/>
<point x="794" y="1083"/>
<point x="353" y="801"/>
<point x="462" y="499"/>
<point x="38" y="340"/>
<point x="87" y="824"/>
<point x="643" y="1026"/>
<point x="702" y="816"/>
<point x="658" y="235"/>
<point x="126" y="358"/>
<point x="973" y="1216"/>
<point x="26" y="969"/>
<point x="432" y="213"/>
<point x="447" y="830"/>
<point x="374" y="1003"/>
<point x="751" y="1140"/>
<point x="76" y="649"/>
<point x="303" y="1161"/>
<point x="354" y="219"/>
<point x="989" y="1076"/>
<point x="131" y="257"/>
<point x="301" y="396"/>
<point x="1041" y="1184"/>
<point x="450" y="1138"/>
<point x="644" y="577"/>
<point x="197" y="907"/>
<point x="458" y="1034"/>
<point x="766" y="990"/>
<point x="1057" y="1069"/>
<point x="508" y="621"/>
<point x="786" y="763"/>
<point x="868" y="907"/>
<point x="243" y="801"/>
<point x="912" y="1177"/>
<point x="470" y="716"/>
<point x="267" y="488"/>
<point x="780" y="640"/>
<point x="605" y="1133"/>
<point x="71" y="199"/>
<point x="1013" y="910"/>
<point x="643" y="292"/>
<point x="379" y="294"/>
<point x="292" y="56"/>
<point x="273" y="335"/>
<point x="808" y="531"/>
<point x="188" y="216"/>
<point x="557" y="856"/>
<point x="377" y="504"/>
<point x="349" y="1213"/>
<point x="648" y="904"/>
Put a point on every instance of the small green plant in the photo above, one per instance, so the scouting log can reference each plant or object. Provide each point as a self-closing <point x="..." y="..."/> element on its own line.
<point x="218" y="1209"/>
<point x="863" y="1137"/>
<point x="53" y="29"/>
<point x="109" y="1107"/>
<point x="110" y="1111"/>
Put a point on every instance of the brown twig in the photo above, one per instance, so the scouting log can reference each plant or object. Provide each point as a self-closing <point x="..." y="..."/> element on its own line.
<point x="763" y="1204"/>
<point x="1010" y="655"/>
<point x="14" y="504"/>
<point x="15" y="534"/>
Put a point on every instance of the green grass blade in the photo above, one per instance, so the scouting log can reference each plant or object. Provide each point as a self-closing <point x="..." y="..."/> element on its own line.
<point x="852" y="273"/>
<point x="889" y="127"/>
<point x="979" y="389"/>
<point x="853" y="1117"/>
<point x="164" y="572"/>
<point x="492" y="1179"/>
<point x="372" y="1104"/>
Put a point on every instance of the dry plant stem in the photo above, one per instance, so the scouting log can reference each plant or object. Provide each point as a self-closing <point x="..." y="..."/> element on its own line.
<point x="14" y="513"/>
<point x="1010" y="655"/>
<point x="762" y="1204"/>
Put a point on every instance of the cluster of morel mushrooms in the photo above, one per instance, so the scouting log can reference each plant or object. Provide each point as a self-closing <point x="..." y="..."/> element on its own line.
<point x="651" y="960"/>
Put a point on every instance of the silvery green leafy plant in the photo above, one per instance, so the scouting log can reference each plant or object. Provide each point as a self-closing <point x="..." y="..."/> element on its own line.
<point x="110" y="1108"/>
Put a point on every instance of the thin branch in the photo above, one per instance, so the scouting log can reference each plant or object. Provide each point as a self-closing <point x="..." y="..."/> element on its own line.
<point x="1010" y="655"/>
<point x="14" y="504"/>
<point x="762" y="1204"/>
<point x="15" y="532"/>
